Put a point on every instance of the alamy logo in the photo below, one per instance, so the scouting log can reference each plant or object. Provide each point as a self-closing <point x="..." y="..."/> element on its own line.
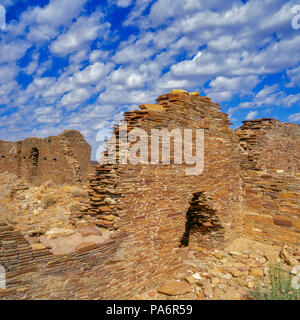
<point x="2" y="18"/>
<point x="296" y="19"/>
<point x="2" y="278"/>
<point x="138" y="147"/>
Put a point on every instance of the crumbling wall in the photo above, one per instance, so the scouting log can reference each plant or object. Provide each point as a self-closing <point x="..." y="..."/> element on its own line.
<point x="146" y="207"/>
<point x="268" y="144"/>
<point x="151" y="201"/>
<point x="63" y="159"/>
<point x="271" y="176"/>
<point x="250" y="185"/>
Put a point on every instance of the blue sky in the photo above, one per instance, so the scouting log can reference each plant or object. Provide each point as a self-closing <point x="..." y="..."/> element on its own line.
<point x="78" y="64"/>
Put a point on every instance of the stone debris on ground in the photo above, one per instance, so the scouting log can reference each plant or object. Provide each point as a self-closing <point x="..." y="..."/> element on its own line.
<point x="246" y="263"/>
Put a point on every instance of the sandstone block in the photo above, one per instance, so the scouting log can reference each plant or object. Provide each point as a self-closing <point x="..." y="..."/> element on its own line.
<point x="85" y="246"/>
<point x="283" y="221"/>
<point x="173" y="288"/>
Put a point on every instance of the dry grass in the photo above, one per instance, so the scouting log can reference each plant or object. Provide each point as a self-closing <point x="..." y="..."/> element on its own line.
<point x="77" y="192"/>
<point x="49" y="200"/>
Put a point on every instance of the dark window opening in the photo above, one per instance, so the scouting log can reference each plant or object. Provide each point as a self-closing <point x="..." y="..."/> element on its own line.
<point x="2" y="157"/>
<point x="54" y="159"/>
<point x="34" y="157"/>
<point x="201" y="220"/>
<point x="45" y="158"/>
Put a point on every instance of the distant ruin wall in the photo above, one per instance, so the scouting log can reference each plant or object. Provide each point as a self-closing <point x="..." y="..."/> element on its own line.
<point x="63" y="159"/>
<point x="271" y="180"/>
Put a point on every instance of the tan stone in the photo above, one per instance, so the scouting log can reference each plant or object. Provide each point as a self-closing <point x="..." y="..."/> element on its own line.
<point x="85" y="246"/>
<point x="283" y="221"/>
<point x="156" y="107"/>
<point x="256" y="272"/>
<point x="194" y="94"/>
<point x="179" y="91"/>
<point x="110" y="217"/>
<point x="174" y="287"/>
<point x="38" y="246"/>
<point x="191" y="279"/>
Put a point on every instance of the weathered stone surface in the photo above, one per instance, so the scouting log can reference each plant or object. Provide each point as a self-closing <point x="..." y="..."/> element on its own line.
<point x="174" y="287"/>
<point x="256" y="272"/>
<point x="38" y="246"/>
<point x="85" y="246"/>
<point x="283" y="221"/>
<point x="156" y="107"/>
<point x="63" y="158"/>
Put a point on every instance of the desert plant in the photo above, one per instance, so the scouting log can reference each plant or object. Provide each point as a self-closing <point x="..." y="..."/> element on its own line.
<point x="279" y="287"/>
<point x="48" y="200"/>
<point x="77" y="191"/>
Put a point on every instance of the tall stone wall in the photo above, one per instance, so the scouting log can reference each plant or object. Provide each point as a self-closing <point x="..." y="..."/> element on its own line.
<point x="152" y="211"/>
<point x="63" y="158"/>
<point x="271" y="180"/>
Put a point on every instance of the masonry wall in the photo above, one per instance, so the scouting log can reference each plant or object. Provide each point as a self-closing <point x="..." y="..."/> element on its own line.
<point x="250" y="185"/>
<point x="271" y="180"/>
<point x="146" y="208"/>
<point x="63" y="159"/>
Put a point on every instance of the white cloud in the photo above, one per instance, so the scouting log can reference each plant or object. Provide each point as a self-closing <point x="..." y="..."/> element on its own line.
<point x="44" y="22"/>
<point x="76" y="97"/>
<point x="92" y="74"/>
<point x="124" y="3"/>
<point x="294" y="75"/>
<point x="223" y="89"/>
<point x="294" y="117"/>
<point x="12" y="51"/>
<point x="251" y="115"/>
<point x="127" y="79"/>
<point x="80" y="34"/>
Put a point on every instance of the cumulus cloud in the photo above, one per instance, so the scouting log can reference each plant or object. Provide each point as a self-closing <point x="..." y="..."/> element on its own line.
<point x="80" y="34"/>
<point x="92" y="74"/>
<point x="82" y="71"/>
<point x="295" y="117"/>
<point x="124" y="3"/>
<point x="251" y="115"/>
<point x="75" y="97"/>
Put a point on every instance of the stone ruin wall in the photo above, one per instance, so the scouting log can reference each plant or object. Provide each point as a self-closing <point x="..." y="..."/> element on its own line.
<point x="63" y="159"/>
<point x="149" y="208"/>
<point x="271" y="178"/>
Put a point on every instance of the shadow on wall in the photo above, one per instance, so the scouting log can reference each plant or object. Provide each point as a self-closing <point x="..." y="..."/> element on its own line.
<point x="202" y="221"/>
<point x="34" y="161"/>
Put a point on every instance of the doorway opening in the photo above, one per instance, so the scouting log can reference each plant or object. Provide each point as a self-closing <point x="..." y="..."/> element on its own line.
<point x="202" y="222"/>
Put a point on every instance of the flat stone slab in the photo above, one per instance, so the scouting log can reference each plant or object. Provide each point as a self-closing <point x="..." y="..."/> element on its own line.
<point x="173" y="288"/>
<point x="64" y="245"/>
<point x="85" y="246"/>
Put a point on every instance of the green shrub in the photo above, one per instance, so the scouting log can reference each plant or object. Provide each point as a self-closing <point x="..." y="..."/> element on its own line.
<point x="279" y="287"/>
